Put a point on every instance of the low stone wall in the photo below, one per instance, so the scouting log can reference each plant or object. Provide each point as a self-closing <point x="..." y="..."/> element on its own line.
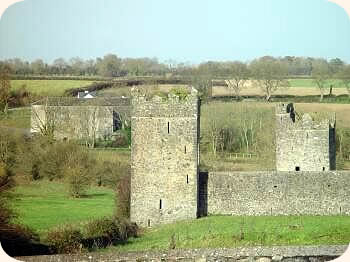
<point x="248" y="254"/>
<point x="278" y="193"/>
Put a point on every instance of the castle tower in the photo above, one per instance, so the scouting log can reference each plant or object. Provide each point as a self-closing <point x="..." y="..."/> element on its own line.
<point x="164" y="158"/>
<point x="303" y="144"/>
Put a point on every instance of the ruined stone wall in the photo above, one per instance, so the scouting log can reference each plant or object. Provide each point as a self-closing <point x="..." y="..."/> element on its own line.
<point x="78" y="121"/>
<point x="303" y="145"/>
<point x="241" y="254"/>
<point x="164" y="157"/>
<point x="279" y="193"/>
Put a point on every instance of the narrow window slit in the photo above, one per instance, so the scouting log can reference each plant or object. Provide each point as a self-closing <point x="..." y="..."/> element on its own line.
<point x="297" y="168"/>
<point x="160" y="204"/>
<point x="168" y="128"/>
<point x="187" y="179"/>
<point x="149" y="222"/>
<point x="185" y="150"/>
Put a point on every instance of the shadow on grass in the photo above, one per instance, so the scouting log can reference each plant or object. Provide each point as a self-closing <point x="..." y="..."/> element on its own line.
<point x="93" y="195"/>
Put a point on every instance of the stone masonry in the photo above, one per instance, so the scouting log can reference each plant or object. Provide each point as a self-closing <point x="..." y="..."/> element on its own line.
<point x="303" y="144"/>
<point x="164" y="157"/>
<point x="166" y="185"/>
<point x="278" y="193"/>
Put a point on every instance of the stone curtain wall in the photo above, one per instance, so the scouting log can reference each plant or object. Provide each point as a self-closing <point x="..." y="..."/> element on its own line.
<point x="164" y="157"/>
<point x="303" y="145"/>
<point x="279" y="193"/>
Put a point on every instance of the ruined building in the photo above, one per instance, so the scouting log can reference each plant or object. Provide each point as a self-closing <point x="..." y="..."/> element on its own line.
<point x="166" y="185"/>
<point x="303" y="143"/>
<point x="164" y="157"/>
<point x="69" y="117"/>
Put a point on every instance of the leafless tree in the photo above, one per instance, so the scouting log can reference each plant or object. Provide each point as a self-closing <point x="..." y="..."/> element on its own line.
<point x="270" y="75"/>
<point x="240" y="74"/>
<point x="321" y="73"/>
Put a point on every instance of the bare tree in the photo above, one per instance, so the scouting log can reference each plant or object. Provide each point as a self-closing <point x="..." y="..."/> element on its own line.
<point x="321" y="73"/>
<point x="44" y="118"/>
<point x="270" y="75"/>
<point x="89" y="124"/>
<point x="240" y="74"/>
<point x="344" y="75"/>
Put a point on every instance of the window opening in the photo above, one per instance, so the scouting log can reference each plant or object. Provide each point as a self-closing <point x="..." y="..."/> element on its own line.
<point x="187" y="179"/>
<point x="185" y="150"/>
<point x="323" y="168"/>
<point x="168" y="127"/>
<point x="297" y="168"/>
<point x="149" y="222"/>
<point x="160" y="204"/>
<point x="117" y="122"/>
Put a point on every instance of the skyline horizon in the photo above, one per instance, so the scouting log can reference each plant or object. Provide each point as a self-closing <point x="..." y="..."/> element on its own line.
<point x="172" y="61"/>
<point x="205" y="31"/>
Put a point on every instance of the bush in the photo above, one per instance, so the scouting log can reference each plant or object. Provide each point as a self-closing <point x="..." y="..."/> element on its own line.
<point x="123" y="196"/>
<point x="65" y="240"/>
<point x="77" y="171"/>
<point x="109" y="231"/>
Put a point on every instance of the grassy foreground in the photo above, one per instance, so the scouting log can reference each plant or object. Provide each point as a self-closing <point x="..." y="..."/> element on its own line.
<point x="231" y="231"/>
<point x="44" y="205"/>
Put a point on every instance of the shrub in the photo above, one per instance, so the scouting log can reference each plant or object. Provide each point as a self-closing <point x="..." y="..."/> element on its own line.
<point x="65" y="240"/>
<point x="77" y="171"/>
<point x="109" y="231"/>
<point x="181" y="92"/>
<point x="78" y="181"/>
<point x="123" y="196"/>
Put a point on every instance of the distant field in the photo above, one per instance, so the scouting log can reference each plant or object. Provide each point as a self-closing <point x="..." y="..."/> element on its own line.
<point x="49" y="87"/>
<point x="43" y="205"/>
<point x="125" y="91"/>
<point x="298" y="87"/>
<point x="310" y="83"/>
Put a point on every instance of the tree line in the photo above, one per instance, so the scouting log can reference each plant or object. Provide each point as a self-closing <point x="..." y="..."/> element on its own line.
<point x="113" y="66"/>
<point x="268" y="73"/>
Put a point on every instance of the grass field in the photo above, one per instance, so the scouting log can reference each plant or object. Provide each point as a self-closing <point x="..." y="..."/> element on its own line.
<point x="298" y="87"/>
<point x="48" y="87"/>
<point x="310" y="83"/>
<point x="43" y="205"/>
<point x="231" y="231"/>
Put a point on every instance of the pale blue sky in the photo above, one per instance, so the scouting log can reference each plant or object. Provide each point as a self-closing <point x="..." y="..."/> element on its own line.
<point x="183" y="30"/>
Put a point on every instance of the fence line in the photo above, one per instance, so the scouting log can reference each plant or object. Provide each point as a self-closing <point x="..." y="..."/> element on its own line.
<point x="243" y="155"/>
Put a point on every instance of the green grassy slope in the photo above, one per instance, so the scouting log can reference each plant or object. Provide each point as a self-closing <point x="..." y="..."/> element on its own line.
<point x="43" y="205"/>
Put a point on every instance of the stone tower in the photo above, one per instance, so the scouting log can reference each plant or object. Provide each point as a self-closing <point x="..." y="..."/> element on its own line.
<point x="303" y="144"/>
<point x="164" y="158"/>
